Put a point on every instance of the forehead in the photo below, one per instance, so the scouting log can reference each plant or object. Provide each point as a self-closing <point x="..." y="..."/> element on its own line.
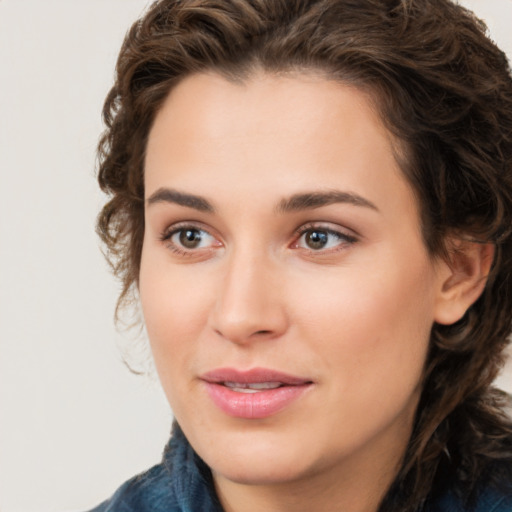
<point x="206" y="95"/>
<point x="298" y="106"/>
<point x="271" y="134"/>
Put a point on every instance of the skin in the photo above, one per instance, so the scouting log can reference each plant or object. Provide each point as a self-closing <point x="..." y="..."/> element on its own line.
<point x="354" y="317"/>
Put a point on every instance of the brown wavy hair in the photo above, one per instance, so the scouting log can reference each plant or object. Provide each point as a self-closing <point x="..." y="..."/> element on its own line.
<point x="443" y="88"/>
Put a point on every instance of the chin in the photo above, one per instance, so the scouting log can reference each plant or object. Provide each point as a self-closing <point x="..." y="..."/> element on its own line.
<point x="266" y="470"/>
<point x="252" y="456"/>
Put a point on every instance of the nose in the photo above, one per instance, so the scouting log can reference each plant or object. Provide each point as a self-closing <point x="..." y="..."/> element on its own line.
<point x="250" y="303"/>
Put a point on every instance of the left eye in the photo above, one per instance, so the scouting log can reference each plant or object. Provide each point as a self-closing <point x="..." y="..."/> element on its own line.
<point x="191" y="238"/>
<point x="316" y="239"/>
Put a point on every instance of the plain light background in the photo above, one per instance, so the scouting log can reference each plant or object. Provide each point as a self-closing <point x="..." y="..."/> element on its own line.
<point x="74" y="423"/>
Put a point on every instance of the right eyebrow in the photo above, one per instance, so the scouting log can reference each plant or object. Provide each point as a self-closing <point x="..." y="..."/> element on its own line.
<point x="168" y="195"/>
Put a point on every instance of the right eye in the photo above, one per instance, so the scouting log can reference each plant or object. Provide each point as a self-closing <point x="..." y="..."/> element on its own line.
<point x="188" y="239"/>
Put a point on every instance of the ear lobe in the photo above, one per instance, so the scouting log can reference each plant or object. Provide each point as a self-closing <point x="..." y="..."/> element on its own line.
<point x="462" y="279"/>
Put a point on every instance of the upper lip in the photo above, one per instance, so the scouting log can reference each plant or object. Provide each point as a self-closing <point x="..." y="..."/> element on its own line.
<point x="254" y="375"/>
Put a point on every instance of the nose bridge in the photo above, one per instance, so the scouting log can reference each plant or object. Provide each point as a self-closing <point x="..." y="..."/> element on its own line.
<point x="249" y="302"/>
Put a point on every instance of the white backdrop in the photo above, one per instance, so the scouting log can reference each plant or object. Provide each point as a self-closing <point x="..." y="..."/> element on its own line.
<point x="74" y="423"/>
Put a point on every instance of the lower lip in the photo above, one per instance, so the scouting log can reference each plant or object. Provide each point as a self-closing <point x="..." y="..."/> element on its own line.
<point x="254" y="405"/>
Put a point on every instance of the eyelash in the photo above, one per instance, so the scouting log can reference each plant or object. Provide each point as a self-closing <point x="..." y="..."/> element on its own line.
<point x="343" y="238"/>
<point x="166" y="237"/>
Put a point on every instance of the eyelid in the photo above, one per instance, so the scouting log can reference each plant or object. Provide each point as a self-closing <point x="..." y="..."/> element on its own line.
<point x="167" y="234"/>
<point x="345" y="235"/>
<point x="170" y="230"/>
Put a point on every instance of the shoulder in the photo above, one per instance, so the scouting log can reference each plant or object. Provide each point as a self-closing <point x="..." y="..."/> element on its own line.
<point x="494" y="494"/>
<point x="181" y="483"/>
<point x="149" y="491"/>
<point x="488" y="501"/>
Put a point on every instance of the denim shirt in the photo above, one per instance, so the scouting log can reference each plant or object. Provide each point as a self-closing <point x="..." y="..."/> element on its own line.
<point x="183" y="483"/>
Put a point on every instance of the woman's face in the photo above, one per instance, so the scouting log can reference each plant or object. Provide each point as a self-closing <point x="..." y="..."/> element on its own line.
<point x="287" y="292"/>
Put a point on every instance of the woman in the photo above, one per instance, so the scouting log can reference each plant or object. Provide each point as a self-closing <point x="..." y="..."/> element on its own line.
<point x="313" y="200"/>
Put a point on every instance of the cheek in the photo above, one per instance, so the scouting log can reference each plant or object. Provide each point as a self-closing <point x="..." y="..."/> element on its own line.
<point x="353" y="300"/>
<point x="373" y="326"/>
<point x="175" y="306"/>
<point x="171" y="317"/>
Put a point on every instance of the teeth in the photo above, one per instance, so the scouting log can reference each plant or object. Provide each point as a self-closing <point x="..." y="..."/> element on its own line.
<point x="252" y="387"/>
<point x="244" y="390"/>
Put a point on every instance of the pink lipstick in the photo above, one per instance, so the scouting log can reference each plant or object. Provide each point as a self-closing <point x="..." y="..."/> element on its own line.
<point x="253" y="394"/>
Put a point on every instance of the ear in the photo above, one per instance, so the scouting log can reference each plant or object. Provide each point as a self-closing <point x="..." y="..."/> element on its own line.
<point x="462" y="278"/>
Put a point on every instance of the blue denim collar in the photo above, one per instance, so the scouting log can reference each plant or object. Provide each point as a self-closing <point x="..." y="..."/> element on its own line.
<point x="191" y="481"/>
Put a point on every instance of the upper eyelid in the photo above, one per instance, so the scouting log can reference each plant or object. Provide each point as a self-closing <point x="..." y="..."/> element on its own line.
<point x="329" y="227"/>
<point x="179" y="226"/>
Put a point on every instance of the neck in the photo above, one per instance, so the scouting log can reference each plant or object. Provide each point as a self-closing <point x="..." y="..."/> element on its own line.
<point x="301" y="497"/>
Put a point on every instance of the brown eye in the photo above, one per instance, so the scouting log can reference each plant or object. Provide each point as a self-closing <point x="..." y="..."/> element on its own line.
<point x="316" y="239"/>
<point x="190" y="238"/>
<point x="323" y="239"/>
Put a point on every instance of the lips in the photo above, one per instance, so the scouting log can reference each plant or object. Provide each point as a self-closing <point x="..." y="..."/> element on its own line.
<point x="253" y="394"/>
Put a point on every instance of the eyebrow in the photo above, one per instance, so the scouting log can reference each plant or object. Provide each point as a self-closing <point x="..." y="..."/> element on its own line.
<point x="167" y="195"/>
<point x="311" y="200"/>
<point x="296" y="202"/>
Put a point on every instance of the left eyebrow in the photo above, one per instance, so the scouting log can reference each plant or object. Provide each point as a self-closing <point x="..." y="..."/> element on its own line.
<point x="311" y="200"/>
